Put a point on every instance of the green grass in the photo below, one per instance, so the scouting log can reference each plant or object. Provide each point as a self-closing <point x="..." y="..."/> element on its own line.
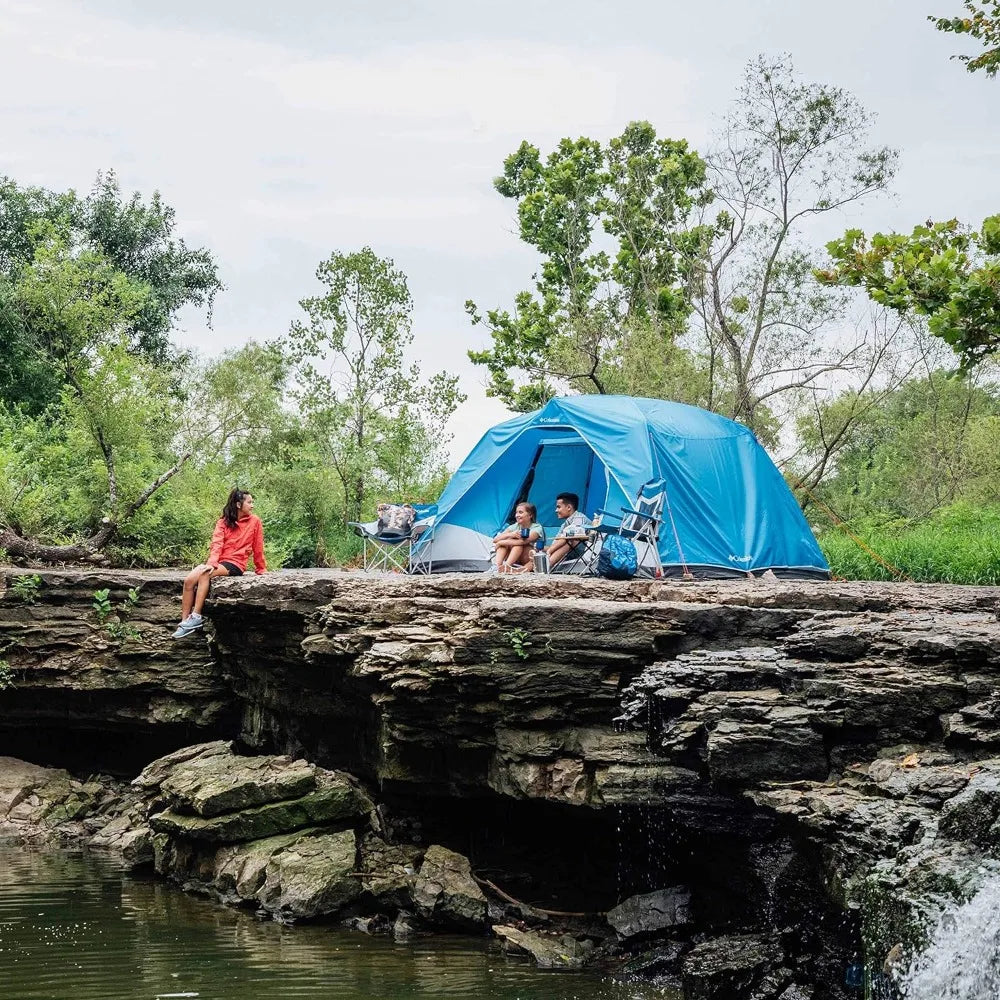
<point x="958" y="544"/>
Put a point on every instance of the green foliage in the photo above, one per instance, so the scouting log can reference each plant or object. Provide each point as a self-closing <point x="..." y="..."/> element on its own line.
<point x="928" y="444"/>
<point x="984" y="26"/>
<point x="369" y="414"/>
<point x="958" y="544"/>
<point x="942" y="270"/>
<point x="102" y="604"/>
<point x="611" y="223"/>
<point x="111" y="440"/>
<point x="139" y="239"/>
<point x="115" y="619"/>
<point x="91" y="454"/>
<point x="6" y="675"/>
<point x="522" y="643"/>
<point x="916" y="477"/>
<point x="89" y="249"/>
<point x="25" y="588"/>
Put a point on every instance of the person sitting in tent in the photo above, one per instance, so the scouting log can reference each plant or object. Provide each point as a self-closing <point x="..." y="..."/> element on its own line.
<point x="516" y="543"/>
<point x="572" y="531"/>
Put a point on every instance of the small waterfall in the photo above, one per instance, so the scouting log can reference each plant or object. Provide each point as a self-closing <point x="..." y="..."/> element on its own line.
<point x="962" y="961"/>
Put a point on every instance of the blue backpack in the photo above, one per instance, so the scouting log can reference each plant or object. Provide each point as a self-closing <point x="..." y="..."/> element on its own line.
<point x="617" y="559"/>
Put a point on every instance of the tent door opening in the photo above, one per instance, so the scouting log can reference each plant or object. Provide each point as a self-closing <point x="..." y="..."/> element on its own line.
<point x="560" y="466"/>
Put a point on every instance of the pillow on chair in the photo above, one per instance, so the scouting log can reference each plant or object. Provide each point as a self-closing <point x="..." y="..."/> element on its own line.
<point x="395" y="519"/>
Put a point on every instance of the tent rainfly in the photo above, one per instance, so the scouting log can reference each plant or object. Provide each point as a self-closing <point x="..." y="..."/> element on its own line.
<point x="728" y="510"/>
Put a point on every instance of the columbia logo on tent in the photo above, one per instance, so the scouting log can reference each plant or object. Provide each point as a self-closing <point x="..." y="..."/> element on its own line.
<point x="740" y="558"/>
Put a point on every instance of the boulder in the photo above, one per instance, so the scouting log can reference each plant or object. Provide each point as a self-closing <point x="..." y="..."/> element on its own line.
<point x="651" y="912"/>
<point x="155" y="773"/>
<point x="377" y="924"/>
<point x="336" y="798"/>
<point x="548" y="951"/>
<point x="47" y="804"/>
<point x="661" y="961"/>
<point x="390" y="870"/>
<point x="213" y="784"/>
<point x="445" y="893"/>
<point x="732" y="966"/>
<point x="404" y="927"/>
<point x="312" y="877"/>
<point x="974" y="813"/>
<point x="797" y="992"/>
<point x="240" y="870"/>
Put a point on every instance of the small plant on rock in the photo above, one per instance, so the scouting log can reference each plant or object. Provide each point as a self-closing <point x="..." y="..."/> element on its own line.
<point x="102" y="604"/>
<point x="25" y="588"/>
<point x="6" y="675"/>
<point x="521" y="642"/>
<point x="115" y="620"/>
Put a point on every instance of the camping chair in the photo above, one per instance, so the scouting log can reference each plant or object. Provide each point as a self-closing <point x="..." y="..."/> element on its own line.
<point x="580" y="560"/>
<point x="641" y="523"/>
<point x="391" y="551"/>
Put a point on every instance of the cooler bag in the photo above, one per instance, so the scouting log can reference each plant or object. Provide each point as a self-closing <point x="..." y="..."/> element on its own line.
<point x="617" y="559"/>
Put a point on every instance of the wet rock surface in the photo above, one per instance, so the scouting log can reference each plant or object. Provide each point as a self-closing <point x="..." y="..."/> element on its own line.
<point x="651" y="912"/>
<point x="445" y="892"/>
<point x="548" y="951"/>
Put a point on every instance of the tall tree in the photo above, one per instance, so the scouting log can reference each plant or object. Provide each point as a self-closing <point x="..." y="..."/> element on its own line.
<point x="118" y="415"/>
<point x="983" y="24"/>
<point x="140" y="239"/>
<point x="942" y="271"/>
<point x="356" y="386"/>
<point x="132" y="238"/>
<point x="789" y="153"/>
<point x="611" y="224"/>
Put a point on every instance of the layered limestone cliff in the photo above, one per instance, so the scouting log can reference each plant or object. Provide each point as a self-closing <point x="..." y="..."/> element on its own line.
<point x="770" y="771"/>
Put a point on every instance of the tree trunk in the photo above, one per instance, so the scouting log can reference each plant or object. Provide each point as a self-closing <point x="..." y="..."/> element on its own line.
<point x="88" y="550"/>
<point x="27" y="548"/>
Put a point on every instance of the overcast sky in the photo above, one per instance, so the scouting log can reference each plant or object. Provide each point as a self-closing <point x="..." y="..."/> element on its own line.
<point x="283" y="131"/>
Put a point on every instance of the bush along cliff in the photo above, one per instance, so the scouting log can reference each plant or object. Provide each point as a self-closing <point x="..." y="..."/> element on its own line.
<point x="745" y="789"/>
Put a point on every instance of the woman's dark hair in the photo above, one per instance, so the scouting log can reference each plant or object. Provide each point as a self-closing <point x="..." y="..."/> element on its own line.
<point x="530" y="508"/>
<point x="231" y="512"/>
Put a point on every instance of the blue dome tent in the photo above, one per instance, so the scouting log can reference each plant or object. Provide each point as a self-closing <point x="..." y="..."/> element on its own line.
<point x="728" y="509"/>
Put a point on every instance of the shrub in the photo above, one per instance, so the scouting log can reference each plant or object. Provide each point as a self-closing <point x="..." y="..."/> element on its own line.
<point x="957" y="544"/>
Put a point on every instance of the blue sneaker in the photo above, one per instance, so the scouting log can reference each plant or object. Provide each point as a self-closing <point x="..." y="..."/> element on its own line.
<point x="190" y="624"/>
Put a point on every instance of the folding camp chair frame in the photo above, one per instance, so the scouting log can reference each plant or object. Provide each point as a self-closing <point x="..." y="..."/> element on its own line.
<point x="382" y="553"/>
<point x="408" y="553"/>
<point x="581" y="560"/>
<point x="420" y="558"/>
<point x="645" y="529"/>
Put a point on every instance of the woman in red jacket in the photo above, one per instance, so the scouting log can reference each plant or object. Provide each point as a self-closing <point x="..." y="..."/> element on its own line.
<point x="238" y="535"/>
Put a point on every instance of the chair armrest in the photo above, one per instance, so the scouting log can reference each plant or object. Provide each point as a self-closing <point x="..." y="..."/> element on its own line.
<point x="608" y="513"/>
<point x="641" y="513"/>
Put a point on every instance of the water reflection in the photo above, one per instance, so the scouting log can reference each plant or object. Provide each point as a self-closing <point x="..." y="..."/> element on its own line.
<point x="73" y="925"/>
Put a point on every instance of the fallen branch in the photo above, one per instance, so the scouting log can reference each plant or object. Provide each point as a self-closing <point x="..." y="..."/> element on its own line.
<point x="527" y="906"/>
<point x="90" y="549"/>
